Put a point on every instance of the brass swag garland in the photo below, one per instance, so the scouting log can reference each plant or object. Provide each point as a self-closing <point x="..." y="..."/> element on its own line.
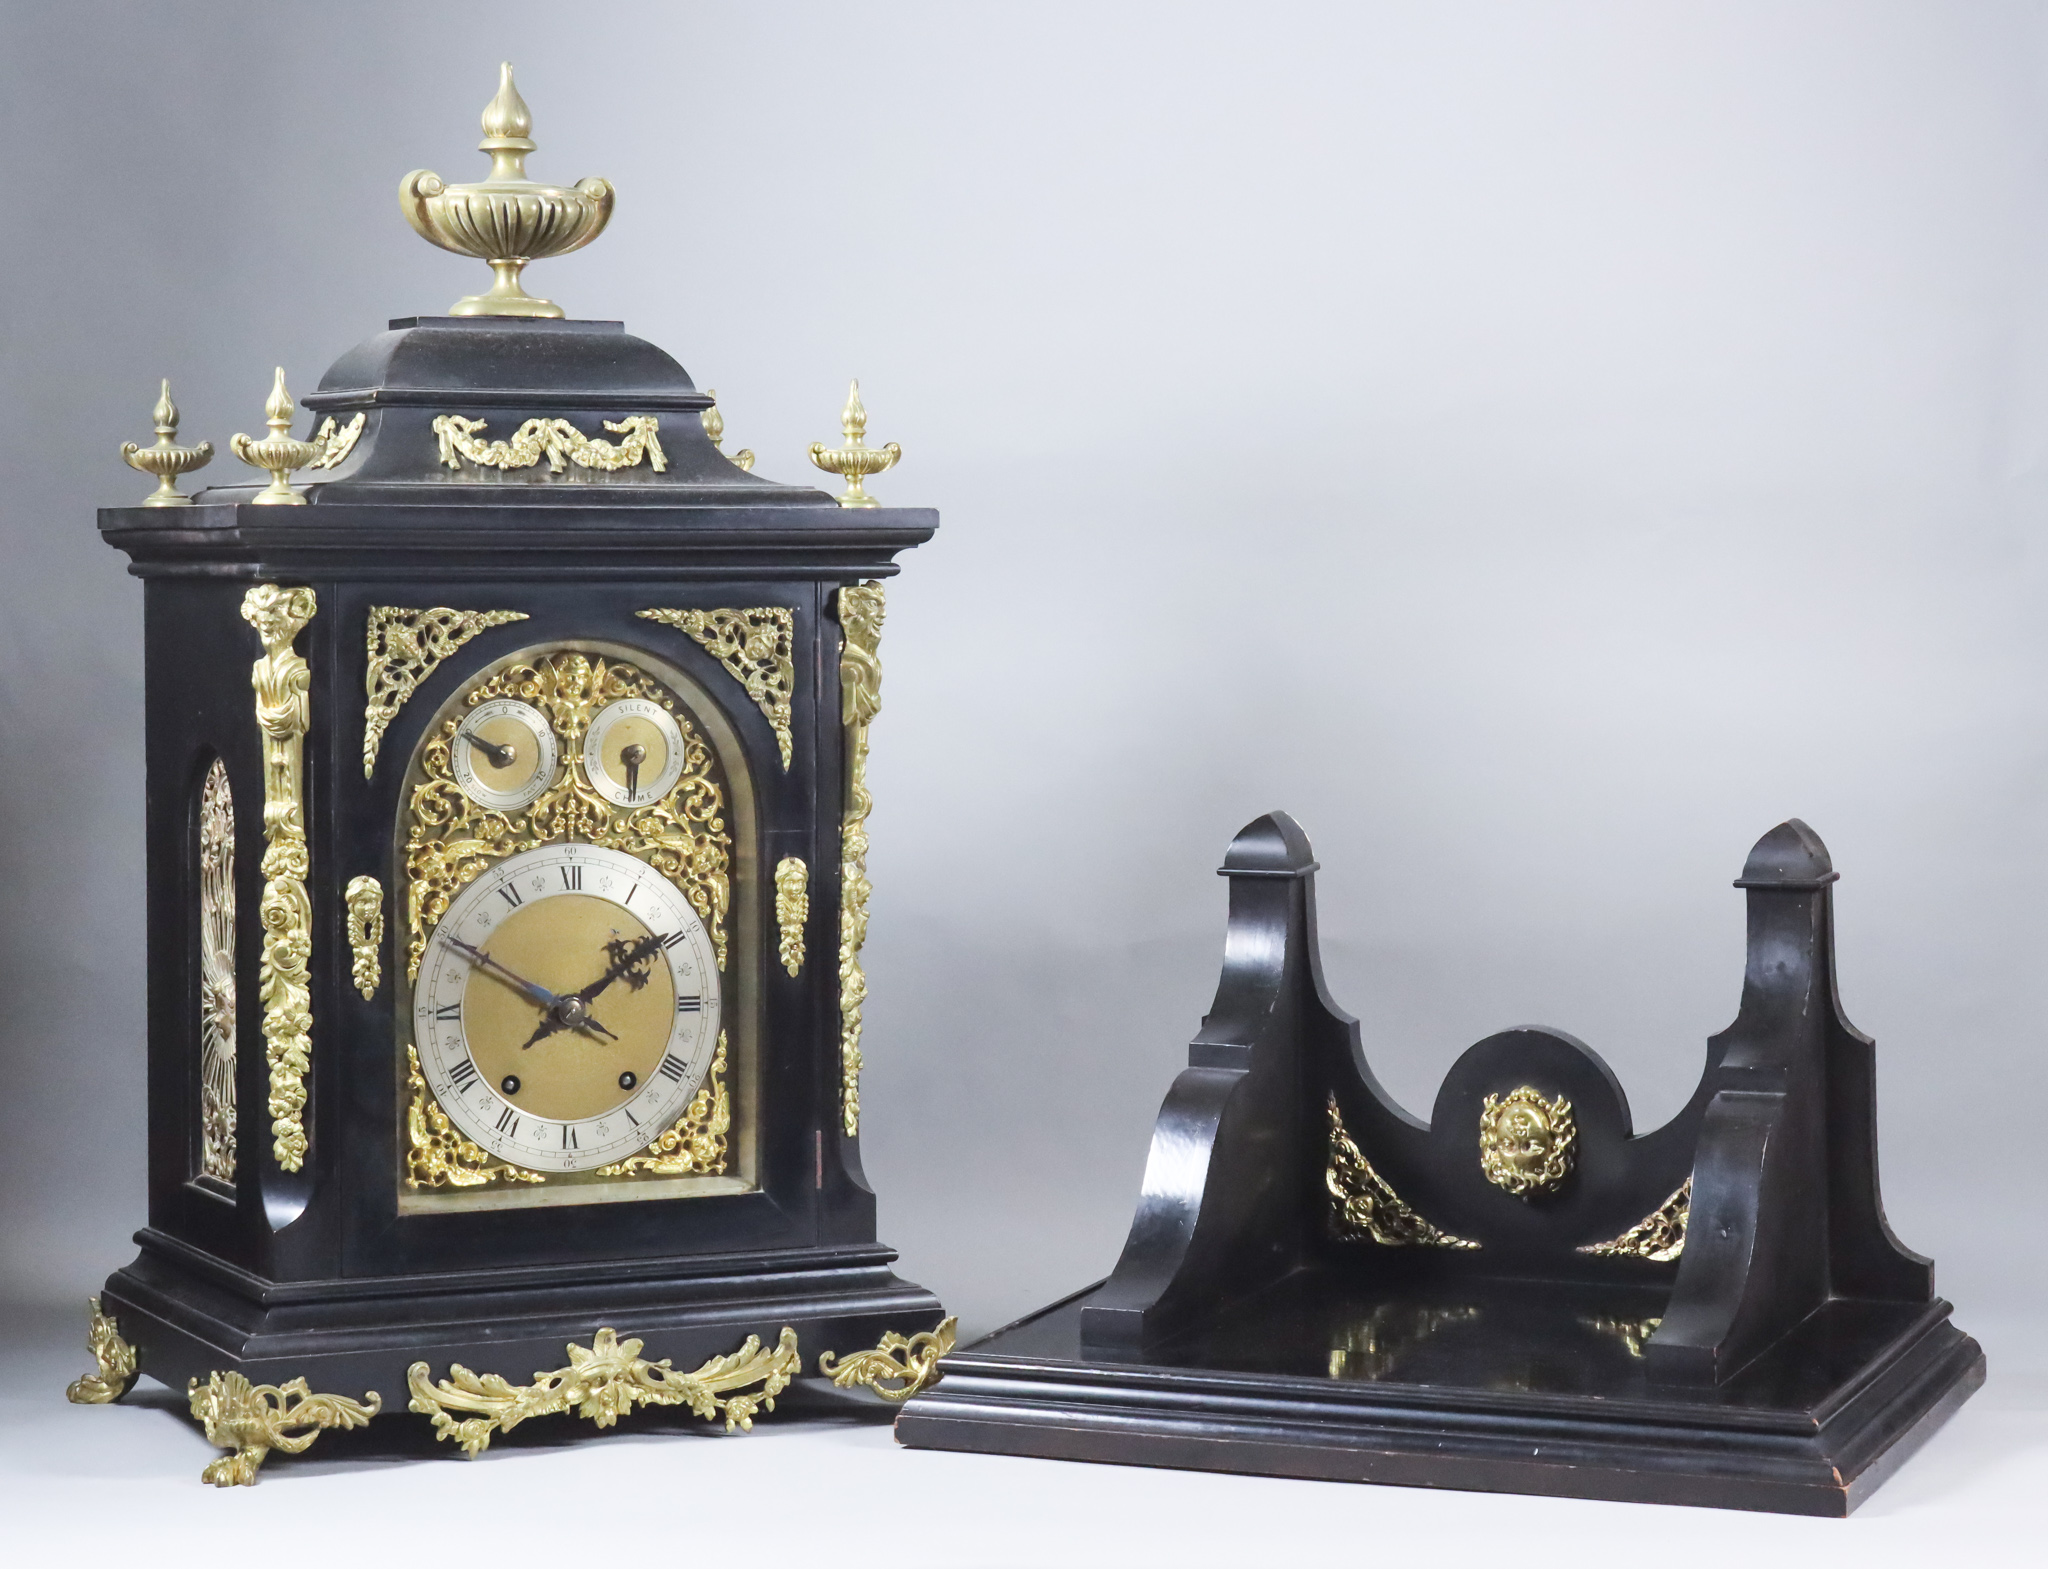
<point x="283" y="713"/>
<point x="405" y="647"/>
<point x="452" y="839"/>
<point x="1364" y="1208"/>
<point x="792" y="909"/>
<point x="253" y="1419"/>
<point x="602" y="1383"/>
<point x="755" y="648"/>
<point x="860" y="697"/>
<point x="217" y="975"/>
<point x="554" y="439"/>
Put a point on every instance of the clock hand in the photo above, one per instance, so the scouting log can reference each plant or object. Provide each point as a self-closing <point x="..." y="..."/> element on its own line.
<point x="568" y="1013"/>
<point x="628" y="961"/>
<point x="632" y="756"/>
<point x="520" y="983"/>
<point x="498" y="756"/>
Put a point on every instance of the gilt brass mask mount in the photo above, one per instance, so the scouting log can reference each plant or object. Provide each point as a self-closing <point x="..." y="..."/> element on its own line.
<point x="506" y="219"/>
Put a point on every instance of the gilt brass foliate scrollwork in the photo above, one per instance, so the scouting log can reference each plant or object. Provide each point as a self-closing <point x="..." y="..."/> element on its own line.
<point x="1363" y="1208"/>
<point x="1526" y="1143"/>
<point x="283" y="686"/>
<point x="253" y="1419"/>
<point x="114" y="1357"/>
<point x="364" y="901"/>
<point x="792" y="909"/>
<point x="405" y="647"/>
<point x="554" y="439"/>
<point x="755" y="647"/>
<point x="437" y="1155"/>
<point x="695" y="1146"/>
<point x="1659" y="1236"/>
<point x="217" y="975"/>
<point x="897" y="1368"/>
<point x="714" y="427"/>
<point x="860" y="696"/>
<point x="683" y="835"/>
<point x="602" y="1383"/>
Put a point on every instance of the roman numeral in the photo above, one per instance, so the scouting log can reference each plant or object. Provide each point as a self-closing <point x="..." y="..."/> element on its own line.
<point x="672" y="938"/>
<point x="462" y="1073"/>
<point x="689" y="1004"/>
<point x="451" y="1014"/>
<point x="508" y="1122"/>
<point x="629" y="894"/>
<point x="510" y="895"/>
<point x="672" y="1068"/>
<point x="568" y="1137"/>
<point x="572" y="877"/>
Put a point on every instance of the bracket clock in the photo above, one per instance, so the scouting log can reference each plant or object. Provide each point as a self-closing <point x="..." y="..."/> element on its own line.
<point x="506" y="887"/>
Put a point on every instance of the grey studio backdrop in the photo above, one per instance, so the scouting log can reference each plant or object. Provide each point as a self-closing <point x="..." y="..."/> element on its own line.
<point x="1542" y="447"/>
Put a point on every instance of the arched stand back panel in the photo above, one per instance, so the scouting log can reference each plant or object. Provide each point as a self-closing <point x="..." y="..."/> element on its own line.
<point x="1522" y="1294"/>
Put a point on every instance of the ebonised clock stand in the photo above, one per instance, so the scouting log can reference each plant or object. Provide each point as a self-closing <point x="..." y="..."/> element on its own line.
<point x="1521" y="1295"/>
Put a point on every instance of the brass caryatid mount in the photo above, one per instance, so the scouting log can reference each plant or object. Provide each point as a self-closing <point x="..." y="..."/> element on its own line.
<point x="167" y="460"/>
<point x="855" y="461"/>
<point x="505" y="219"/>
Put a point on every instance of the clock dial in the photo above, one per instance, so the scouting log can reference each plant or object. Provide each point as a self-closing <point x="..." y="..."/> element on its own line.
<point x="633" y="752"/>
<point x="567" y="1007"/>
<point x="503" y="754"/>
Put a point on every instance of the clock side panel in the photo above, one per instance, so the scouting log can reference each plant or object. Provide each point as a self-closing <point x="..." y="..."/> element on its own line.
<point x="781" y="1030"/>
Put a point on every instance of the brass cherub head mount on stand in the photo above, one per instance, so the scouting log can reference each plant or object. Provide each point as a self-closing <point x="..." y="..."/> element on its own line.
<point x="505" y="219"/>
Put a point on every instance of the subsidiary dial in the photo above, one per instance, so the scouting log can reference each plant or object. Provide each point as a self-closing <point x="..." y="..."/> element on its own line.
<point x="503" y="754"/>
<point x="633" y="752"/>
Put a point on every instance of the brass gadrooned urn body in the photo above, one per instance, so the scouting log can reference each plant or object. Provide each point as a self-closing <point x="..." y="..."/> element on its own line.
<point x="505" y="219"/>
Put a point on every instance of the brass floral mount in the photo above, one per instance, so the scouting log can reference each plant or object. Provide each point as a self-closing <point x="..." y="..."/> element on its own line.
<point x="166" y="460"/>
<point x="756" y="648"/>
<point x="695" y="1146"/>
<point x="437" y="1155"/>
<point x="860" y="696"/>
<point x="1526" y="1143"/>
<point x="364" y="901"/>
<point x="1659" y="1236"/>
<point x="554" y="439"/>
<point x="1364" y="1208"/>
<point x="283" y="686"/>
<point x="792" y="909"/>
<point x="115" y="1358"/>
<point x="218" y="1146"/>
<point x="405" y="647"/>
<point x="602" y="1383"/>
<point x="897" y="1368"/>
<point x="714" y="427"/>
<point x="253" y="1419"/>
<point x="505" y="219"/>
<point x="855" y="462"/>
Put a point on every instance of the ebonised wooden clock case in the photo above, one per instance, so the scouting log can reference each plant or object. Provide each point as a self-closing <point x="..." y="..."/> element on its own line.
<point x="332" y="1272"/>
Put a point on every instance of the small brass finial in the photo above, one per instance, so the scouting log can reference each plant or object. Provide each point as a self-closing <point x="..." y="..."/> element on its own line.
<point x="277" y="454"/>
<point x="505" y="219"/>
<point x="714" y="427"/>
<point x="167" y="460"/>
<point x="855" y="461"/>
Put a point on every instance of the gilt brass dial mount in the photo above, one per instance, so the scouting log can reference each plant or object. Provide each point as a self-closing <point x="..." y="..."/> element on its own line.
<point x="504" y="754"/>
<point x="633" y="752"/>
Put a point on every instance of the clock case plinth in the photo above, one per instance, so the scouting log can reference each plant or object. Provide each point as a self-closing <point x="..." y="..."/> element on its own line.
<point x="317" y="1273"/>
<point x="1436" y="1328"/>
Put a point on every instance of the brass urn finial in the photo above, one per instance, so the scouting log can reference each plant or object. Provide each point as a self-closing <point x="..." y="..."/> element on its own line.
<point x="714" y="427"/>
<point x="855" y="461"/>
<point x="167" y="460"/>
<point x="505" y="219"/>
<point x="277" y="454"/>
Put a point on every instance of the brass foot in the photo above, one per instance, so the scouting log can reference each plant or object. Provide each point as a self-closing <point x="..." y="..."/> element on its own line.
<point x="115" y="1357"/>
<point x="253" y="1419"/>
<point x="602" y="1383"/>
<point x="916" y="1368"/>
